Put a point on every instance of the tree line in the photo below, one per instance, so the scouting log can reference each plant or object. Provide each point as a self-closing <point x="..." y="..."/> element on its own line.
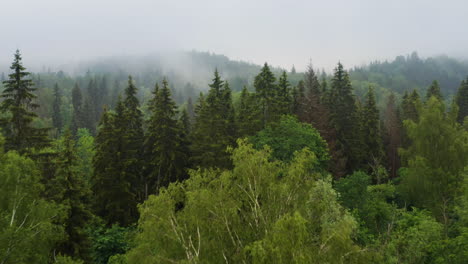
<point x="282" y="173"/>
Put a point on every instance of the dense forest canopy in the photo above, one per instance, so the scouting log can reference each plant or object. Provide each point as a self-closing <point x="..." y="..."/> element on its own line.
<point x="200" y="159"/>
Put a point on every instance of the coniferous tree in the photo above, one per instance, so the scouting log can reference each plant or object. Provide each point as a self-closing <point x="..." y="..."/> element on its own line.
<point x="18" y="106"/>
<point x="371" y="128"/>
<point x="434" y="90"/>
<point x="344" y="117"/>
<point x="462" y="101"/>
<point x="166" y="149"/>
<point x="392" y="135"/>
<point x="266" y="90"/>
<point x="248" y="114"/>
<point x="88" y="116"/>
<point x="114" y="198"/>
<point x="190" y="110"/>
<point x="69" y="188"/>
<point x="284" y="99"/>
<point x="298" y="98"/>
<point x="410" y="107"/>
<point x="214" y="128"/>
<point x="131" y="123"/>
<point x="77" y="103"/>
<point x="57" y="115"/>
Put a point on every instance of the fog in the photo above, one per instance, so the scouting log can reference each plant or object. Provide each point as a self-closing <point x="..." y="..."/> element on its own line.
<point x="284" y="33"/>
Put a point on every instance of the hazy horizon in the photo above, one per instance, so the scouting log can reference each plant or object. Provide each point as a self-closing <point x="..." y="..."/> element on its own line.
<point x="282" y="33"/>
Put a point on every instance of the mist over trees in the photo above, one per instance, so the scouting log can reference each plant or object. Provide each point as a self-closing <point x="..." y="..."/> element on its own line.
<point x="144" y="160"/>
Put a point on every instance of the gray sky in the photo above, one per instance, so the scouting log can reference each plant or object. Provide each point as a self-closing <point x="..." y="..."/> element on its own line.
<point x="282" y="33"/>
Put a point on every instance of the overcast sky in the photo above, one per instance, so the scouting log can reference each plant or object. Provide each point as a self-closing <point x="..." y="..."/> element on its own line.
<point x="282" y="33"/>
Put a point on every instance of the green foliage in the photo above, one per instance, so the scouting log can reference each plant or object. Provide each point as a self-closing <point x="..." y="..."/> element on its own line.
<point x="434" y="90"/>
<point x="18" y="106"/>
<point x="435" y="159"/>
<point x="371" y="128"/>
<point x="214" y="129"/>
<point x="462" y="101"/>
<point x="248" y="117"/>
<point x="28" y="231"/>
<point x="288" y="136"/>
<point x="85" y="152"/>
<point x="108" y="242"/>
<point x="250" y="214"/>
<point x="57" y="116"/>
<point x="266" y="90"/>
<point x="166" y="151"/>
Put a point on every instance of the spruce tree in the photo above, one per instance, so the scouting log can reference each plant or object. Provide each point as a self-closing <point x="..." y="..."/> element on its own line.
<point x="344" y="117"/>
<point x="462" y="101"/>
<point x="69" y="188"/>
<point x="248" y="114"/>
<point x="131" y="123"/>
<point x="88" y="116"/>
<point x="190" y="110"/>
<point x="283" y="97"/>
<point x="214" y="129"/>
<point x="434" y="90"/>
<point x="372" y="136"/>
<point x="166" y="149"/>
<point x="266" y="90"/>
<point x="298" y="99"/>
<point x="18" y="107"/>
<point x="114" y="198"/>
<point x="392" y="135"/>
<point x="77" y="103"/>
<point x="57" y="115"/>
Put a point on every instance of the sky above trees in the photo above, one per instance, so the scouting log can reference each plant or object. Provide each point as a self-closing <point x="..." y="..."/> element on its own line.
<point x="280" y="32"/>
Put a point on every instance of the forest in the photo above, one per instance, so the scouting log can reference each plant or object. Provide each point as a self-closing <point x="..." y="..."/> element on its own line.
<point x="223" y="161"/>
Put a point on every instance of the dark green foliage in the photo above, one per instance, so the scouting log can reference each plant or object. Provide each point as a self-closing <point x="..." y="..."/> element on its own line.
<point x="434" y="90"/>
<point x="214" y="129"/>
<point x="392" y="135"/>
<point x="18" y="107"/>
<point x="57" y="115"/>
<point x="284" y="95"/>
<point x="462" y="101"/>
<point x="289" y="136"/>
<point x="249" y="119"/>
<point x="114" y="198"/>
<point x="107" y="242"/>
<point x="69" y="189"/>
<point x="371" y="129"/>
<point x="78" y="115"/>
<point x="165" y="144"/>
<point x="266" y="90"/>
<point x="344" y="118"/>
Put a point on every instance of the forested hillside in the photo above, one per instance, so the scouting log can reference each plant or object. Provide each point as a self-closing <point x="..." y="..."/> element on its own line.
<point x="201" y="159"/>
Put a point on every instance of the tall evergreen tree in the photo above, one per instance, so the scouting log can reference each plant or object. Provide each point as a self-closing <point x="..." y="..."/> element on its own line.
<point x="114" y="198"/>
<point x="190" y="110"/>
<point x="166" y="156"/>
<point x="392" y="135"/>
<point x="372" y="136"/>
<point x="57" y="114"/>
<point x="462" y="101"/>
<point x="88" y="116"/>
<point x="77" y="103"/>
<point x="214" y="128"/>
<point x="249" y="120"/>
<point x="283" y="95"/>
<point x="18" y="106"/>
<point x="434" y="90"/>
<point x="266" y="89"/>
<point x="344" y="117"/>
<point x="131" y="122"/>
<point x="70" y="189"/>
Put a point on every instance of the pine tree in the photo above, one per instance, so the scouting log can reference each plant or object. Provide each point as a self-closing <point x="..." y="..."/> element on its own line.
<point x="57" y="115"/>
<point x="18" y="106"/>
<point x="70" y="189"/>
<point x="77" y="102"/>
<point x="410" y="106"/>
<point x="462" y="101"/>
<point x="166" y="149"/>
<point x="298" y="98"/>
<point x="372" y="136"/>
<point x="266" y="90"/>
<point x="190" y="110"/>
<point x="88" y="116"/>
<point x="434" y="90"/>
